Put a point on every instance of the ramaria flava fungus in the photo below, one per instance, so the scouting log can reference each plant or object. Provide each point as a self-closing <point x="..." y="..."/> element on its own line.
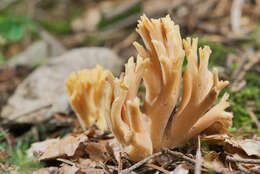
<point x="96" y="95"/>
<point x="85" y="90"/>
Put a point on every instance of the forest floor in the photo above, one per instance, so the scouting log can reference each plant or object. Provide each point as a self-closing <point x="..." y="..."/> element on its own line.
<point x="230" y="28"/>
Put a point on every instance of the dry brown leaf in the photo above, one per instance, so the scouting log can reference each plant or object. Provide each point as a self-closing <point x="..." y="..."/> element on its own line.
<point x="212" y="159"/>
<point x="47" y="170"/>
<point x="67" y="146"/>
<point x="249" y="146"/>
<point x="84" y="163"/>
<point x="181" y="169"/>
<point x="39" y="148"/>
<point x="97" y="151"/>
<point x="68" y="169"/>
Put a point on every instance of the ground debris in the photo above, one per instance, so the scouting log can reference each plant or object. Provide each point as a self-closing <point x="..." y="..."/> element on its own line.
<point x="250" y="146"/>
<point x="95" y="151"/>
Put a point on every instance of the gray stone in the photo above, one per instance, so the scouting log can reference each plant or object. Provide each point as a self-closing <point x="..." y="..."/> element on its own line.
<point x="42" y="93"/>
<point x="37" y="53"/>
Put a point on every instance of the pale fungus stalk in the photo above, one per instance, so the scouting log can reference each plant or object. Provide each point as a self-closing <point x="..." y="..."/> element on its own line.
<point x="176" y="107"/>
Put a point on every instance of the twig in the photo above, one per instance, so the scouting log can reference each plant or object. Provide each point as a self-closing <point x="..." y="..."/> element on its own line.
<point x="248" y="161"/>
<point x="181" y="155"/>
<point x="253" y="117"/>
<point x="236" y="12"/>
<point x="255" y="169"/>
<point x="198" y="158"/>
<point x="158" y="168"/>
<point x="140" y="163"/>
<point x="66" y="161"/>
<point x="242" y="169"/>
<point x="120" y="164"/>
<point x="9" y="142"/>
<point x="105" y="168"/>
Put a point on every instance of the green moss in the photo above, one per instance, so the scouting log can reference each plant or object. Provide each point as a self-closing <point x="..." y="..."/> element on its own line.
<point x="219" y="52"/>
<point x="58" y="26"/>
<point x="17" y="157"/>
<point x="239" y="100"/>
<point x="254" y="40"/>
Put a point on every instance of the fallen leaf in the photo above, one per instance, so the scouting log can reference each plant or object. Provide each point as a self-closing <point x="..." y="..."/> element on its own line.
<point x="212" y="160"/>
<point x="68" y="146"/>
<point x="97" y="151"/>
<point x="39" y="148"/>
<point x="249" y="146"/>
<point x="181" y="169"/>
<point x="47" y="170"/>
<point x="67" y="169"/>
<point x="85" y="163"/>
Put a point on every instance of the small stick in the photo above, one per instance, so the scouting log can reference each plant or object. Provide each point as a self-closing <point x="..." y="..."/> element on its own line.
<point x="198" y="158"/>
<point x="105" y="168"/>
<point x="120" y="163"/>
<point x="181" y="155"/>
<point x="140" y="163"/>
<point x="9" y="142"/>
<point x="254" y="118"/>
<point x="248" y="161"/>
<point x="158" y="168"/>
<point x="66" y="161"/>
<point x="255" y="169"/>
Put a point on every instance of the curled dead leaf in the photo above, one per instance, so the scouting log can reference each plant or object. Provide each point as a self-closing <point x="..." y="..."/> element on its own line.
<point x="249" y="146"/>
<point x="68" y="146"/>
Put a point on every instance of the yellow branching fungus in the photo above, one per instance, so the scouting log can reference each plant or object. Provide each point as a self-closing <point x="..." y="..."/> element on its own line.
<point x="176" y="107"/>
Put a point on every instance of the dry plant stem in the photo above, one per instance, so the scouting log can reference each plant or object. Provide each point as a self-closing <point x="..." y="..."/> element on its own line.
<point x="236" y="11"/>
<point x="255" y="169"/>
<point x="243" y="169"/>
<point x="198" y="158"/>
<point x="105" y="168"/>
<point x="120" y="163"/>
<point x="254" y="118"/>
<point x="140" y="163"/>
<point x="9" y="142"/>
<point x="248" y="161"/>
<point x="182" y="156"/>
<point x="158" y="168"/>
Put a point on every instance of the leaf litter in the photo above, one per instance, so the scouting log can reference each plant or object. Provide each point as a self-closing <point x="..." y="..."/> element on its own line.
<point x="98" y="152"/>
